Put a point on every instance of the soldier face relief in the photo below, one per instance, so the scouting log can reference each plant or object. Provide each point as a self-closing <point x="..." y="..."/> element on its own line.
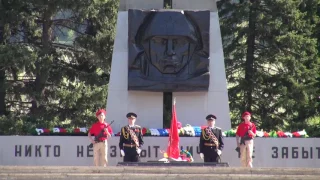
<point x="169" y="54"/>
<point x="168" y="50"/>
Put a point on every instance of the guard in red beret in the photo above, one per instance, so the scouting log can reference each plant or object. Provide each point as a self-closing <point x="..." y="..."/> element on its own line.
<point x="131" y="140"/>
<point x="246" y="132"/>
<point x="211" y="141"/>
<point x="101" y="132"/>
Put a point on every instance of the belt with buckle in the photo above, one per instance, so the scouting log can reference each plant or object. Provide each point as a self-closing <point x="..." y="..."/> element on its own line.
<point x="101" y="141"/>
<point x="209" y="144"/>
<point x="129" y="145"/>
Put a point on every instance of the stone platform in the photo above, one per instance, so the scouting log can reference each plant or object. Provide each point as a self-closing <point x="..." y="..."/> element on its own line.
<point x="155" y="173"/>
<point x="172" y="163"/>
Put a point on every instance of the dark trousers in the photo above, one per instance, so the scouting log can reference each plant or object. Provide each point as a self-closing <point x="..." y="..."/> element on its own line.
<point x="131" y="155"/>
<point x="210" y="154"/>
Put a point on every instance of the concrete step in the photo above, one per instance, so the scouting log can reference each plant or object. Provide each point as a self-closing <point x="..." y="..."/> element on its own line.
<point x="125" y="176"/>
<point x="155" y="173"/>
<point x="159" y="170"/>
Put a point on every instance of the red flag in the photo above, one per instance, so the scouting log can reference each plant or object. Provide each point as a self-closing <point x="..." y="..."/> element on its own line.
<point x="173" y="150"/>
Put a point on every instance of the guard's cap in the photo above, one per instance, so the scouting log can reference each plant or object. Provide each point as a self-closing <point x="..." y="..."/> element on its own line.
<point x="132" y="115"/>
<point x="211" y="117"/>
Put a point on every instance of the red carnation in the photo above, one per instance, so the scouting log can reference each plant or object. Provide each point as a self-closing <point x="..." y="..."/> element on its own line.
<point x="46" y="130"/>
<point x="62" y="130"/>
<point x="179" y="125"/>
<point x="144" y="130"/>
<point x="280" y="134"/>
<point x="295" y="134"/>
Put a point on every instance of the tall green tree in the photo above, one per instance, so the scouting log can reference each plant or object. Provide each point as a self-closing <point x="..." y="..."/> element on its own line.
<point x="12" y="54"/>
<point x="312" y="10"/>
<point x="271" y="61"/>
<point x="64" y="78"/>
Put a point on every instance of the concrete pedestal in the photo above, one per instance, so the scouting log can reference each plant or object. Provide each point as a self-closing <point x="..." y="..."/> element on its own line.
<point x="192" y="107"/>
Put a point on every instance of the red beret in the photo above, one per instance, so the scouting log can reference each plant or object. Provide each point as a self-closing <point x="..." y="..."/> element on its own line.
<point x="101" y="111"/>
<point x="245" y="114"/>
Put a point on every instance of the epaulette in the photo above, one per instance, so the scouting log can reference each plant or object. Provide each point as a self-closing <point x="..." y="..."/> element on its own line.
<point x="218" y="128"/>
<point x="137" y="126"/>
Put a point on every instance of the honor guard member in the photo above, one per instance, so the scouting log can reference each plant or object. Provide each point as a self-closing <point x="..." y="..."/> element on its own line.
<point x="100" y="145"/>
<point x="131" y="140"/>
<point x="211" y="141"/>
<point x="246" y="131"/>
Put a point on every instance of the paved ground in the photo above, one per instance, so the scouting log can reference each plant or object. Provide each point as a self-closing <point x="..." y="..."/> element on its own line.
<point x="155" y="173"/>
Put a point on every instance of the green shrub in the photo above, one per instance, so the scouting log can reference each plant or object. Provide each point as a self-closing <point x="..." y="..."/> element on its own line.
<point x="313" y="126"/>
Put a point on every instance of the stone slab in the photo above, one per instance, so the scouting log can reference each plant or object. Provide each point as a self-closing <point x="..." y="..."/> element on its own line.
<point x="179" y="164"/>
<point x="155" y="176"/>
<point x="159" y="170"/>
<point x="74" y="151"/>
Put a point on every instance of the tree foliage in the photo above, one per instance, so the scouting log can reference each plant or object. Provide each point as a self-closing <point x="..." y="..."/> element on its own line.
<point x="271" y="60"/>
<point x="55" y="60"/>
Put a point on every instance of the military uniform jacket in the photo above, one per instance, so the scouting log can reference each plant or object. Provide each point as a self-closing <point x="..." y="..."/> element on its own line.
<point x="125" y="137"/>
<point x="205" y="138"/>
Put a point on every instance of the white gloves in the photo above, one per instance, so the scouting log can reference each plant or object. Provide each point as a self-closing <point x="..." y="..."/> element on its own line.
<point x="201" y="155"/>
<point x="122" y="153"/>
<point x="138" y="150"/>
<point x="219" y="152"/>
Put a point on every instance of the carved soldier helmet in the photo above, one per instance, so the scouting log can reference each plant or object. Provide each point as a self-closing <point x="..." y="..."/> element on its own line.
<point x="174" y="23"/>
